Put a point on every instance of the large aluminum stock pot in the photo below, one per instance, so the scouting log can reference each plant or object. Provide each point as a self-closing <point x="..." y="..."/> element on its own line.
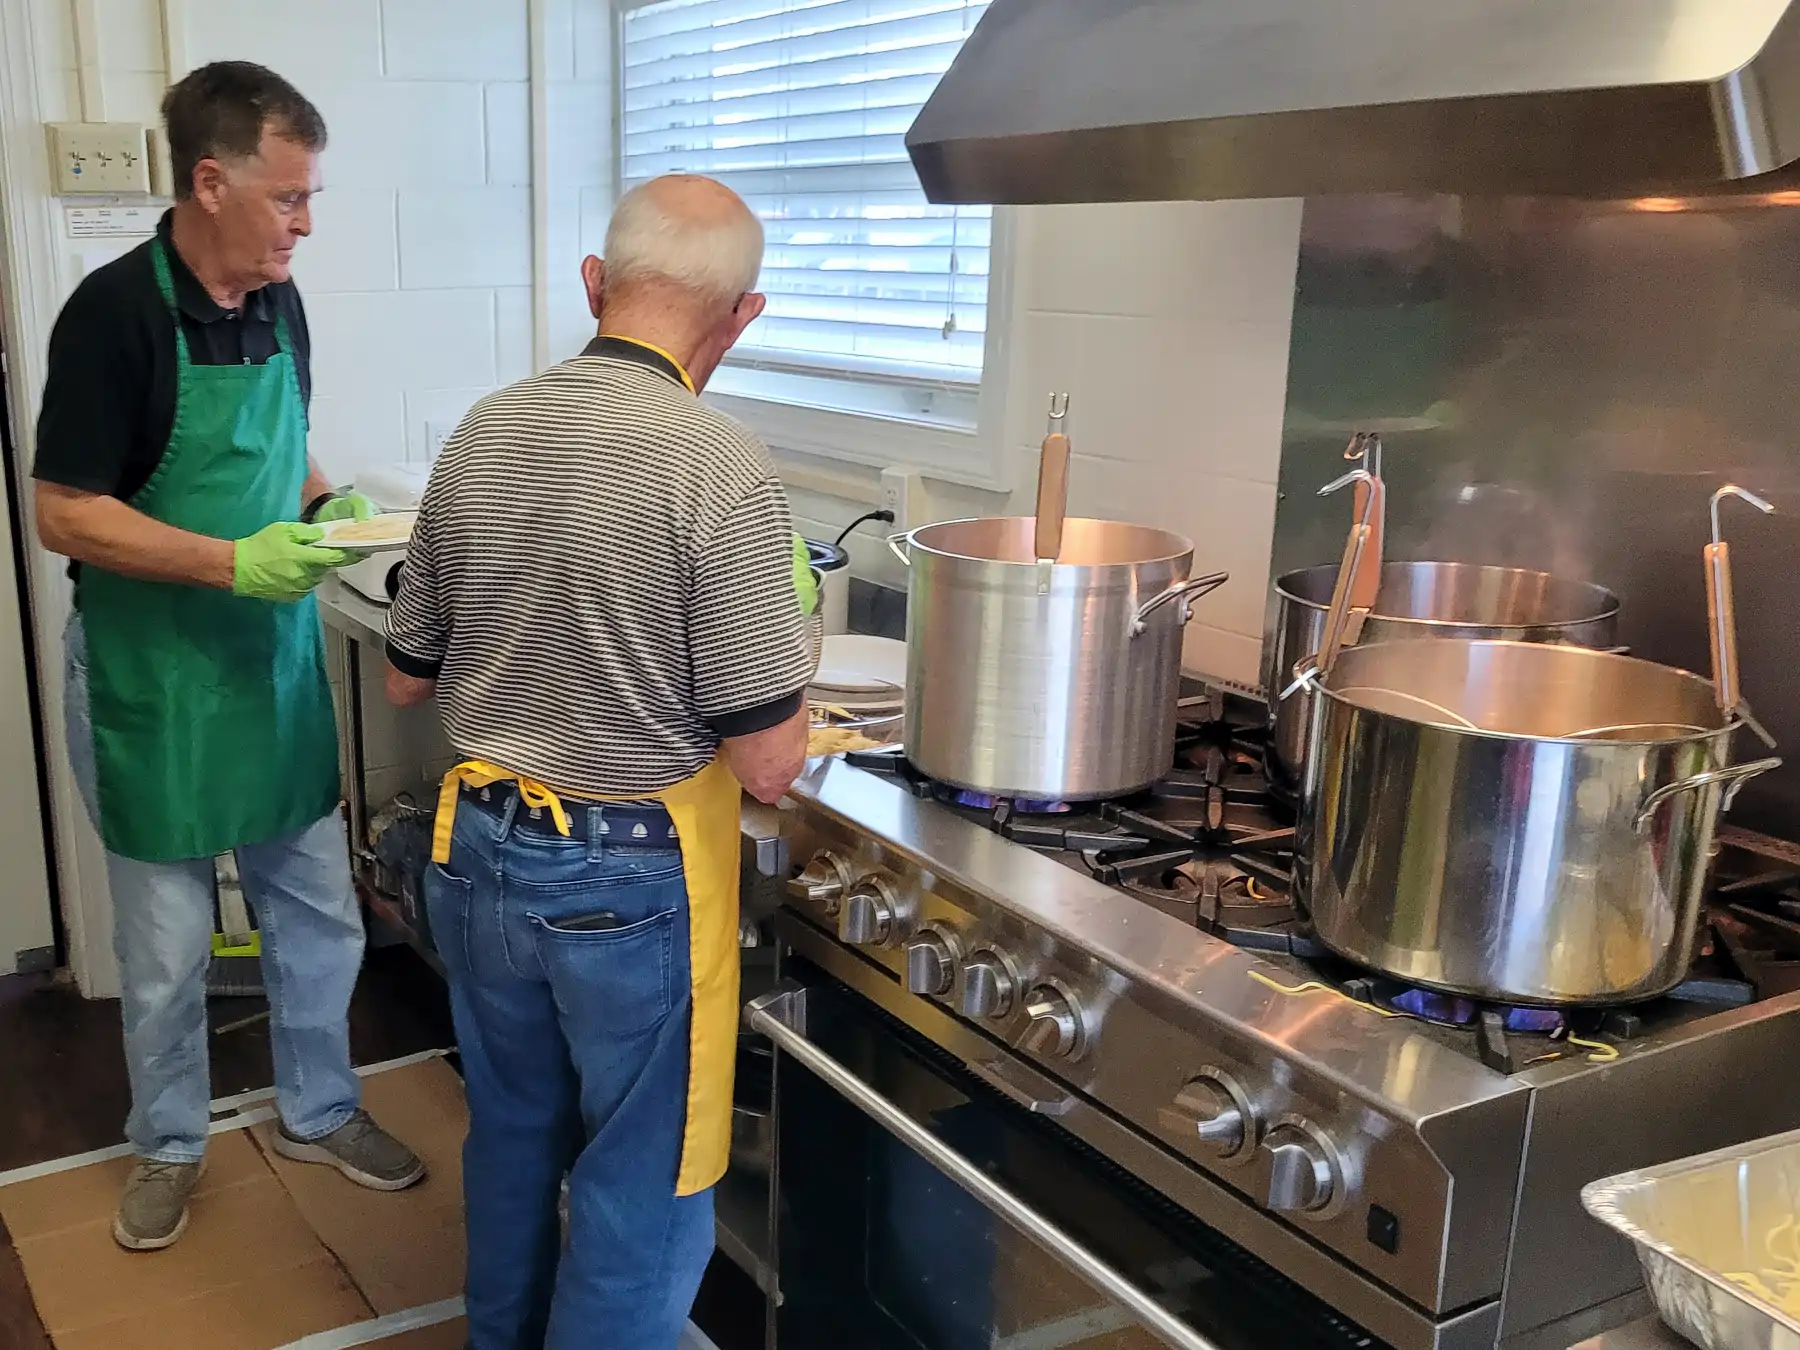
<point x="1515" y="822"/>
<point x="1054" y="681"/>
<point x="1424" y="600"/>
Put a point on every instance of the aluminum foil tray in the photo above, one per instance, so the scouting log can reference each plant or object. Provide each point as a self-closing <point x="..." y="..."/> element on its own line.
<point x="1698" y="1220"/>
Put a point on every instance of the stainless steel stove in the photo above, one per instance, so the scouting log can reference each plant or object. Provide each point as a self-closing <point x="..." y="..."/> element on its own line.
<point x="1134" y="973"/>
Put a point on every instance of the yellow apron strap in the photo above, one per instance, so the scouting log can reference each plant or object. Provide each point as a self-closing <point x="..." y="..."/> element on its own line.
<point x="705" y="811"/>
<point x="478" y="773"/>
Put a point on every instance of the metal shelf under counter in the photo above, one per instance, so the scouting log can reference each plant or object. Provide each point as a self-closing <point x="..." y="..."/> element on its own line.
<point x="741" y="1224"/>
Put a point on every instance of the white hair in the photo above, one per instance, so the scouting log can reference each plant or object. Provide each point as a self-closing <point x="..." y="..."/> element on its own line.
<point x="714" y="254"/>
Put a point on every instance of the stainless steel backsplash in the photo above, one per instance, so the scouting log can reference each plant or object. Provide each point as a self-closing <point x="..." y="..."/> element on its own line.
<point x="1562" y="385"/>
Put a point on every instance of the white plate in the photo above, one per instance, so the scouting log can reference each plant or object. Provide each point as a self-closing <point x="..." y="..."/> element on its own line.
<point x="854" y="663"/>
<point x="392" y="530"/>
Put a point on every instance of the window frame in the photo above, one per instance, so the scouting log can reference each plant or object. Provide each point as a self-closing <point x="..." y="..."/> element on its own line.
<point x="973" y="458"/>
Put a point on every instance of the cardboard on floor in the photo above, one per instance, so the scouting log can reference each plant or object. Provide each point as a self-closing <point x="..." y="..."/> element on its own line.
<point x="424" y="1106"/>
<point x="274" y="1251"/>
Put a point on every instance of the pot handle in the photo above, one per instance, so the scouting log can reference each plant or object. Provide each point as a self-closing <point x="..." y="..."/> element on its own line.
<point x="1185" y="591"/>
<point x="894" y="541"/>
<point x="1734" y="776"/>
<point x="1306" y="674"/>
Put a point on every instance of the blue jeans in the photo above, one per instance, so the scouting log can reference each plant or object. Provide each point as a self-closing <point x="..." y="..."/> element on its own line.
<point x="312" y="947"/>
<point x="575" y="1055"/>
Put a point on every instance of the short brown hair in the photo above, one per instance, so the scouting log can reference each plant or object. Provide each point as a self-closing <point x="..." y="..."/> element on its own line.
<point x="220" y="111"/>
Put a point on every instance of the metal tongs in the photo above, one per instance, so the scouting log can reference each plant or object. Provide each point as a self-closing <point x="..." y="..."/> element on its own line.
<point x="1053" y="491"/>
<point x="1358" y="578"/>
<point x="1364" y="450"/>
<point x="1721" y="617"/>
<point x="1359" y="575"/>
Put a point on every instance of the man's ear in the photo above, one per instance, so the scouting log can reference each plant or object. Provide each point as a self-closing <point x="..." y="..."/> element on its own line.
<point x="749" y="309"/>
<point x="593" y="276"/>
<point x="209" y="183"/>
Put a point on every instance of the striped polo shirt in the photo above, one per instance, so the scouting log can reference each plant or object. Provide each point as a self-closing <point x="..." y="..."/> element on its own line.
<point x="600" y="580"/>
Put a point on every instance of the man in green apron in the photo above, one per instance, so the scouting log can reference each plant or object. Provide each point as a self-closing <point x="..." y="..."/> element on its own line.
<point x="172" y="470"/>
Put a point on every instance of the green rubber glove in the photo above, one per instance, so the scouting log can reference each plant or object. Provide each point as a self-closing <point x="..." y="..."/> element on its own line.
<point x="281" y="562"/>
<point x="353" y="507"/>
<point x="806" y="585"/>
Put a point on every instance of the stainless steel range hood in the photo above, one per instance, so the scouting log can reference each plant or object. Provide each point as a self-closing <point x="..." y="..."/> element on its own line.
<point x="1122" y="100"/>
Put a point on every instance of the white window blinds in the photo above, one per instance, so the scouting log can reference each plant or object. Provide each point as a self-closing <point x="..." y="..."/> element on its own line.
<point x="802" y="106"/>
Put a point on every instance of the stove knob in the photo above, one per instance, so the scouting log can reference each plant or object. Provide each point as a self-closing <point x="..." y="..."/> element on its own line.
<point x="822" y="882"/>
<point x="930" y="965"/>
<point x="1055" y="1027"/>
<point x="1209" y="1108"/>
<point x="867" y="918"/>
<point x="1303" y="1173"/>
<point x="988" y="986"/>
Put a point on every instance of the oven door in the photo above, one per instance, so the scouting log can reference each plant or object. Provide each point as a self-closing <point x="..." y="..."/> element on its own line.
<point x="920" y="1207"/>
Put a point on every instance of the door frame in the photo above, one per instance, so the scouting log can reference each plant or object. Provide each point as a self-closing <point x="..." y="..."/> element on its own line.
<point x="31" y="290"/>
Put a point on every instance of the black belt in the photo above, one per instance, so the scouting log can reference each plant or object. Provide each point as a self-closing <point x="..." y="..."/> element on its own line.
<point x="615" y="824"/>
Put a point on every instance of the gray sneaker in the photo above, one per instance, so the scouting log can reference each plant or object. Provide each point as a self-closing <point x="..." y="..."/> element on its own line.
<point x="361" y="1150"/>
<point x="153" y="1212"/>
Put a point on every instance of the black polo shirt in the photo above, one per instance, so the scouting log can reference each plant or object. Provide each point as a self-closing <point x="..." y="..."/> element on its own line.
<point x="109" y="401"/>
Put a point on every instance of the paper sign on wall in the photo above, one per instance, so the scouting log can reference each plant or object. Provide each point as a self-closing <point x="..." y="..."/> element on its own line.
<point x="110" y="222"/>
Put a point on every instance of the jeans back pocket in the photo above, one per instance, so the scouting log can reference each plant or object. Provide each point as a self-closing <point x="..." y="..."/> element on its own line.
<point x="619" y="981"/>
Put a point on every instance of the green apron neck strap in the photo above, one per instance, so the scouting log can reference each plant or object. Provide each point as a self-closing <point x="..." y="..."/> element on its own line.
<point x="165" y="283"/>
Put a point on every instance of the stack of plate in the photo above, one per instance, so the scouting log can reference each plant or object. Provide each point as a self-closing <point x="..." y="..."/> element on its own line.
<point x="860" y="674"/>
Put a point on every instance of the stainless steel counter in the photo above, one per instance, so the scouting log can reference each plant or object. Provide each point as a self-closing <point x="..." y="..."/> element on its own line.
<point x="355" y="616"/>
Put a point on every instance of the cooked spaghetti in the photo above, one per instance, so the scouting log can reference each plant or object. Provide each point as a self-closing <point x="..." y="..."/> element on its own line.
<point x="1778" y="1283"/>
<point x="376" y="529"/>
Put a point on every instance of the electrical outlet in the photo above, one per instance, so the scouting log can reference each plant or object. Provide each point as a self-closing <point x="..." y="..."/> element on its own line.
<point x="436" y="434"/>
<point x="903" y="494"/>
<point x="99" y="157"/>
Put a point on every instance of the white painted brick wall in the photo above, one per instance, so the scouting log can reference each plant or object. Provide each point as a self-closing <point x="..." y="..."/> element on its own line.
<point x="402" y="134"/>
<point x="417" y="276"/>
<point x="132" y="35"/>
<point x="509" y="135"/>
<point x="355" y="244"/>
<point x="425" y="221"/>
<point x="1168" y="324"/>
<point x="454" y="39"/>
<point x="458" y="238"/>
<point x="318" y="40"/>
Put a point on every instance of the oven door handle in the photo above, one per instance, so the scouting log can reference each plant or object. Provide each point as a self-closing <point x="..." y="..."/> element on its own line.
<point x="781" y="1016"/>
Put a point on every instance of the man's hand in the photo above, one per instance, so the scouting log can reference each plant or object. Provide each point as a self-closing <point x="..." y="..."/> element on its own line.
<point x="355" y="506"/>
<point x="408" y="691"/>
<point x="768" y="762"/>
<point x="283" y="562"/>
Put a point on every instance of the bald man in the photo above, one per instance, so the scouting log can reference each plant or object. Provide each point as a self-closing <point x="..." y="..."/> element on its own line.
<point x="601" y="595"/>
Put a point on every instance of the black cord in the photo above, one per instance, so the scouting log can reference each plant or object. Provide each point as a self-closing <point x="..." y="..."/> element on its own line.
<point x="884" y="516"/>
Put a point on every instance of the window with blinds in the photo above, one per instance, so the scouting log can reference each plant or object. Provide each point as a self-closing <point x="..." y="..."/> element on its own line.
<point x="877" y="298"/>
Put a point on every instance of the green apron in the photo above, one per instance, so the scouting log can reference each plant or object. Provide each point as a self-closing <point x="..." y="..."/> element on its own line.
<point x="212" y="716"/>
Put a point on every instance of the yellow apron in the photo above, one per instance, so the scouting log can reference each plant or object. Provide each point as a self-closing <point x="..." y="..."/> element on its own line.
<point x="705" y="809"/>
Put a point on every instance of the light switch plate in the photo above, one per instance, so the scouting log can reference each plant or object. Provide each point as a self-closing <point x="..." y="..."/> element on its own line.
<point x="99" y="157"/>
